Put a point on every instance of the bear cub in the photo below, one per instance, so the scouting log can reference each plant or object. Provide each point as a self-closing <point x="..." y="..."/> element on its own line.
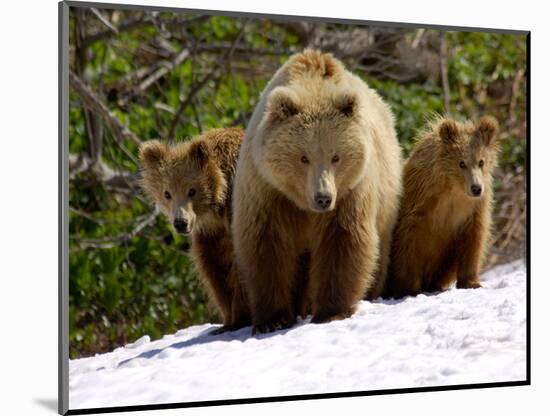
<point x="191" y="182"/>
<point x="443" y="227"/>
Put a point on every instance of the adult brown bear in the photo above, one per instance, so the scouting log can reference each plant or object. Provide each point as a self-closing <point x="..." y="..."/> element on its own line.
<point x="316" y="194"/>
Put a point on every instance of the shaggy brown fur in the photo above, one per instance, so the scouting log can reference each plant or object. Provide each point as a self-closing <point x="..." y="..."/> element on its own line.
<point x="444" y="221"/>
<point x="192" y="184"/>
<point x="316" y="194"/>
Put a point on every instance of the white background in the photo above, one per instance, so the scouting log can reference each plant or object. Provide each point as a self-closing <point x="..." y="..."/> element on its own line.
<point x="28" y="208"/>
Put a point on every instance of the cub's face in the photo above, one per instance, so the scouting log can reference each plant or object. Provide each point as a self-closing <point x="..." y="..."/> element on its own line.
<point x="470" y="153"/>
<point x="313" y="152"/>
<point x="182" y="182"/>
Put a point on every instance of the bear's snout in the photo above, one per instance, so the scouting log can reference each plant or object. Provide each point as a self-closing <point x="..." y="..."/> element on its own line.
<point x="322" y="201"/>
<point x="476" y="190"/>
<point x="182" y="226"/>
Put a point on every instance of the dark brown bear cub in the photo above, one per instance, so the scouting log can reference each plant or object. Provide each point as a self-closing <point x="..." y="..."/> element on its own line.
<point x="192" y="182"/>
<point x="444" y="223"/>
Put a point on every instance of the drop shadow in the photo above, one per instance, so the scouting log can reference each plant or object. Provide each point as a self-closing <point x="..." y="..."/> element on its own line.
<point x="396" y="301"/>
<point x="47" y="403"/>
<point x="207" y="337"/>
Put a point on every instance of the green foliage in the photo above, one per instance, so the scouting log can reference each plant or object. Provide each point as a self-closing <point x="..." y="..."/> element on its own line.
<point x="411" y="104"/>
<point x="146" y="284"/>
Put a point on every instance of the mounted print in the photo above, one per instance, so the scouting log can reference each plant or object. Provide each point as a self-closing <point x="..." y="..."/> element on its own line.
<point x="259" y="208"/>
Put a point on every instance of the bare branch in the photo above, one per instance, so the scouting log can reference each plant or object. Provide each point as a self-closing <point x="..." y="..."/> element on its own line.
<point x="444" y="72"/>
<point x="115" y="241"/>
<point x="104" y="20"/>
<point x="163" y="70"/>
<point x="141" y="21"/>
<point x="93" y="102"/>
<point x="241" y="49"/>
<point x="88" y="216"/>
<point x="514" y="96"/>
<point x="114" y="180"/>
<point x="225" y="58"/>
<point x="417" y="38"/>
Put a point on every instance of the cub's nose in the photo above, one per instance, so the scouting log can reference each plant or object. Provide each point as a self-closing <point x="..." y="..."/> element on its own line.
<point x="476" y="190"/>
<point x="180" y="225"/>
<point x="322" y="201"/>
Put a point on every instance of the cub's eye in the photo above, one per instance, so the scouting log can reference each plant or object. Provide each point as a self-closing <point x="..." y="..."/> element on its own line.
<point x="191" y="193"/>
<point x="335" y="159"/>
<point x="462" y="164"/>
<point x="304" y="159"/>
<point x="481" y="163"/>
<point x="167" y="195"/>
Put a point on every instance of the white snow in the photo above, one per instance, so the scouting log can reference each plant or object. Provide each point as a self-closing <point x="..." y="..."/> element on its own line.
<point x="454" y="337"/>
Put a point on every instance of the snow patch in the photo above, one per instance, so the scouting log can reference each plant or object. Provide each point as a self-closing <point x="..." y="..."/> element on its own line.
<point x="454" y="337"/>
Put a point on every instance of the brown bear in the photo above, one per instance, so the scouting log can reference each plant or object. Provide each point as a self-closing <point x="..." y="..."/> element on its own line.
<point x="192" y="184"/>
<point x="444" y="222"/>
<point x="316" y="194"/>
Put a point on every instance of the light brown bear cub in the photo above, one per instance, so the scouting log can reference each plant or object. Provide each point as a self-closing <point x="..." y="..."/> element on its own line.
<point x="444" y="221"/>
<point x="192" y="183"/>
<point x="316" y="194"/>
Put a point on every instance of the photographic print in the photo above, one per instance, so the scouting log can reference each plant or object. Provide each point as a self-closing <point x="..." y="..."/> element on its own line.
<point x="258" y="207"/>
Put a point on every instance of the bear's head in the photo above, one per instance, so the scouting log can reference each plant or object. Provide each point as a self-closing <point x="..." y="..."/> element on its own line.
<point x="469" y="153"/>
<point x="311" y="144"/>
<point x="184" y="181"/>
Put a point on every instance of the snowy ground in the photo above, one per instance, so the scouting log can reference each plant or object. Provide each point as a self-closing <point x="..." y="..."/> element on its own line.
<point x="455" y="337"/>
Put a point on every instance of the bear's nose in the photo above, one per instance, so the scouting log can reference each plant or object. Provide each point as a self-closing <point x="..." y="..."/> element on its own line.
<point x="322" y="201"/>
<point x="476" y="190"/>
<point x="180" y="225"/>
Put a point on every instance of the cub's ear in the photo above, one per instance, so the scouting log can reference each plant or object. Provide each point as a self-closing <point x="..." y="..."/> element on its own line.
<point x="346" y="103"/>
<point x="487" y="128"/>
<point x="152" y="153"/>
<point x="448" y="131"/>
<point x="199" y="152"/>
<point x="282" y="104"/>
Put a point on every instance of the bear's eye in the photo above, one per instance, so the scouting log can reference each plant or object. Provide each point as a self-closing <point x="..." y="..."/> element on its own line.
<point x="167" y="195"/>
<point x="462" y="164"/>
<point x="304" y="159"/>
<point x="335" y="159"/>
<point x="191" y="193"/>
<point x="481" y="163"/>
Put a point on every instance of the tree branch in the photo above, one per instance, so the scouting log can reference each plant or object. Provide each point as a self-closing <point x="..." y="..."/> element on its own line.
<point x="444" y="72"/>
<point x="514" y="96"/>
<point x="104" y="20"/>
<point x="115" y="241"/>
<point x="163" y="70"/>
<point x="225" y="58"/>
<point x="137" y="22"/>
<point x="114" y="180"/>
<point x="93" y="102"/>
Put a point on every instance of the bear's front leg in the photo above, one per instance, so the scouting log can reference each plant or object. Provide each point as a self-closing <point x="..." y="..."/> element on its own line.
<point x="210" y="252"/>
<point x="342" y="263"/>
<point x="267" y="260"/>
<point x="239" y="312"/>
<point x="472" y="241"/>
<point x="240" y="309"/>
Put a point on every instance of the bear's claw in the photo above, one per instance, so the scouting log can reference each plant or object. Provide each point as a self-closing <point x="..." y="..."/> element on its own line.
<point x="272" y="326"/>
<point x="468" y="285"/>
<point x="221" y="330"/>
<point x="323" y="319"/>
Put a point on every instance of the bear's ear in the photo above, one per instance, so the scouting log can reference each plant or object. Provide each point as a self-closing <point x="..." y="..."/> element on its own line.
<point x="346" y="103"/>
<point x="282" y="104"/>
<point x="199" y="152"/>
<point x="152" y="153"/>
<point x="487" y="128"/>
<point x="448" y="131"/>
